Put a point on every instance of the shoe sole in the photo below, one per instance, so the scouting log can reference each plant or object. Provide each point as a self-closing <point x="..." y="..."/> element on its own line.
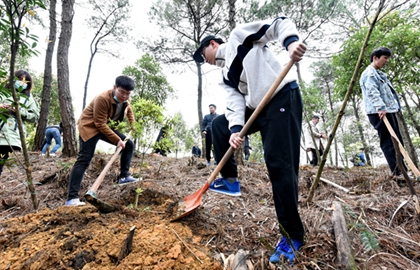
<point x="225" y="193"/>
<point x="75" y="204"/>
<point x="128" y="183"/>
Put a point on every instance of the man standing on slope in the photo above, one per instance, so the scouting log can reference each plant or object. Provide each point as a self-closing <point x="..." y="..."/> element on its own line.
<point x="249" y="69"/>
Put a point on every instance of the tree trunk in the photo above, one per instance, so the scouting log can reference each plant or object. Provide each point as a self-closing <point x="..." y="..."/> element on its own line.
<point x="408" y="144"/>
<point x="87" y="79"/>
<point x="200" y="107"/>
<point x="360" y="129"/>
<point x="410" y="113"/>
<point x="14" y="48"/>
<point x="46" y="89"/>
<point x="66" y="108"/>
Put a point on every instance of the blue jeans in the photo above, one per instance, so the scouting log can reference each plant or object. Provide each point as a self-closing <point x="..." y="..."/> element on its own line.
<point x="87" y="150"/>
<point x="51" y="133"/>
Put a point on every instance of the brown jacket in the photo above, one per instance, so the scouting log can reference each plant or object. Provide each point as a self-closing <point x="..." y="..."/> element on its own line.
<point x="96" y="115"/>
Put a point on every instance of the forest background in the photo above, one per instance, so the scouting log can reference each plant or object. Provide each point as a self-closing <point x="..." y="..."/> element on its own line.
<point x="94" y="41"/>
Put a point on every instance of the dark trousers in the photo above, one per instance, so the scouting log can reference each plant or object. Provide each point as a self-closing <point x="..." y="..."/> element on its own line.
<point x="87" y="150"/>
<point x="280" y="126"/>
<point x="4" y="155"/>
<point x="209" y="142"/>
<point x="314" y="160"/>
<point x="385" y="139"/>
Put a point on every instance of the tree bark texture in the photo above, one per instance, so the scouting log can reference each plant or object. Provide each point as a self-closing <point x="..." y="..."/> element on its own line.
<point x="344" y="253"/>
<point x="408" y="143"/>
<point x="46" y="89"/>
<point x="66" y="108"/>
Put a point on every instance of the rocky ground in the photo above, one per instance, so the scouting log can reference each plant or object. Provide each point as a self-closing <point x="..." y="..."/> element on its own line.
<point x="381" y="219"/>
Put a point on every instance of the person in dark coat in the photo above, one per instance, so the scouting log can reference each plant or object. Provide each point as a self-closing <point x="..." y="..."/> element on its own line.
<point x="206" y="130"/>
<point x="196" y="151"/>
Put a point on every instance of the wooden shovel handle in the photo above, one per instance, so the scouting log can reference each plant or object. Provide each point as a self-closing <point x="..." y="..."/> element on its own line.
<point x="403" y="152"/>
<point x="101" y="177"/>
<point x="251" y="119"/>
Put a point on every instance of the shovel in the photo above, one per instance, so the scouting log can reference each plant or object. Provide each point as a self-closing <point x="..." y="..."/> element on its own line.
<point x="91" y="196"/>
<point x="188" y="204"/>
<point x="401" y="147"/>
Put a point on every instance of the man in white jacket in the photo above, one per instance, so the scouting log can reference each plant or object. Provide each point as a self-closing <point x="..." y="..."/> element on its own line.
<point x="317" y="135"/>
<point x="248" y="71"/>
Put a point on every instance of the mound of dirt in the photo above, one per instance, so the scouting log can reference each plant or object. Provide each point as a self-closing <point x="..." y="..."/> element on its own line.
<point x="381" y="217"/>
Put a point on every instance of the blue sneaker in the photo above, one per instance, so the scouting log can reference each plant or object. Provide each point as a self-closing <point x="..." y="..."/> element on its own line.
<point x="287" y="251"/>
<point x="221" y="185"/>
<point x="127" y="180"/>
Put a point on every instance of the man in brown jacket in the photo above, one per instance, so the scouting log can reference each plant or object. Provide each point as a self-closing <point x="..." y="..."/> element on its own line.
<point x="93" y="126"/>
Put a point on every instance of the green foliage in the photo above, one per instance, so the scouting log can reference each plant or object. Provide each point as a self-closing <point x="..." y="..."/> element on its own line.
<point x="54" y="114"/>
<point x="183" y="141"/>
<point x="400" y="33"/>
<point x="369" y="240"/>
<point x="149" y="118"/>
<point x="257" y="153"/>
<point x="151" y="83"/>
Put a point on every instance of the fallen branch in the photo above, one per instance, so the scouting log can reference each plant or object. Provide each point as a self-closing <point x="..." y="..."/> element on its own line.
<point x="334" y="184"/>
<point x="344" y="253"/>
<point x="186" y="246"/>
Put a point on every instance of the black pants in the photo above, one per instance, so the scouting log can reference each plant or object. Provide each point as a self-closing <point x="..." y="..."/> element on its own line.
<point x="280" y="126"/>
<point x="4" y="155"/>
<point x="385" y="139"/>
<point x="209" y="142"/>
<point x="314" y="160"/>
<point x="87" y="150"/>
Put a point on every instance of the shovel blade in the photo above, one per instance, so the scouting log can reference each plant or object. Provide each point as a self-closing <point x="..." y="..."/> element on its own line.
<point x="102" y="206"/>
<point x="188" y="204"/>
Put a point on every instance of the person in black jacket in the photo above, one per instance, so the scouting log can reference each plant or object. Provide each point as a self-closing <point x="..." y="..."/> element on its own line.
<point x="196" y="151"/>
<point x="206" y="130"/>
<point x="51" y="132"/>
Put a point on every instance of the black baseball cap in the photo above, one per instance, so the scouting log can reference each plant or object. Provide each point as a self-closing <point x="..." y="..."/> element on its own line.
<point x="198" y="56"/>
<point x="315" y="116"/>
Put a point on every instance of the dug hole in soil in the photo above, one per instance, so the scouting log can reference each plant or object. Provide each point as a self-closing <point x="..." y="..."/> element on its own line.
<point x="381" y="219"/>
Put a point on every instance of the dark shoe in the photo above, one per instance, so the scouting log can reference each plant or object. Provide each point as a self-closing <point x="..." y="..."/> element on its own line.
<point x="221" y="185"/>
<point x="285" y="250"/>
<point x="127" y="180"/>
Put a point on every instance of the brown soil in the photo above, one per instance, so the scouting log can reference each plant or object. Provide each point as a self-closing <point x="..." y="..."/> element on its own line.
<point x="383" y="235"/>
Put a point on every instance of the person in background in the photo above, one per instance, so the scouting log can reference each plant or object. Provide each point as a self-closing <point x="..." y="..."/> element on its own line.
<point x="29" y="111"/>
<point x="206" y="130"/>
<point x="316" y="135"/>
<point x="93" y="126"/>
<point x="196" y="151"/>
<point x="248" y="70"/>
<point x="159" y="151"/>
<point x="381" y="99"/>
<point x="51" y="132"/>
<point x="359" y="159"/>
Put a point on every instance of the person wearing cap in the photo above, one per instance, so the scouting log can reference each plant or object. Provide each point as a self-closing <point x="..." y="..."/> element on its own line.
<point x="381" y="99"/>
<point x="248" y="70"/>
<point x="113" y="104"/>
<point x="206" y="130"/>
<point x="313" y="139"/>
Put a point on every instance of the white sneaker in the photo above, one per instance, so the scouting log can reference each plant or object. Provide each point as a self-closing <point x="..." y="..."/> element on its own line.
<point x="74" y="202"/>
<point x="42" y="155"/>
<point x="53" y="155"/>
